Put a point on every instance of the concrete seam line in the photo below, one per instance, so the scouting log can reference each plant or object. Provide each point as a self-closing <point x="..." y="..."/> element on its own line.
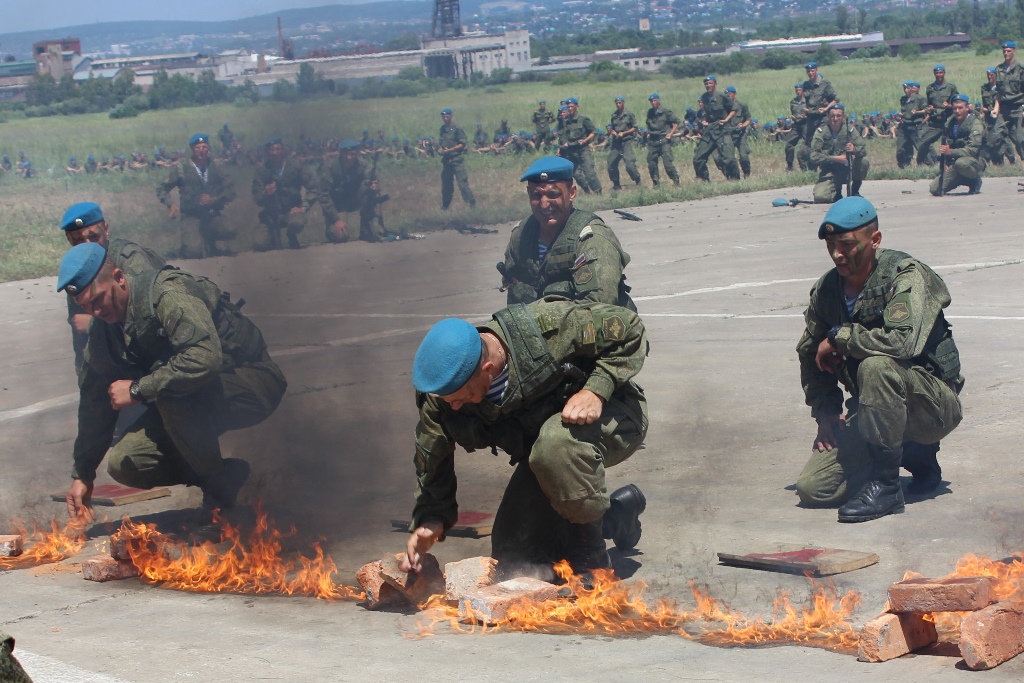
<point x="43" y="668"/>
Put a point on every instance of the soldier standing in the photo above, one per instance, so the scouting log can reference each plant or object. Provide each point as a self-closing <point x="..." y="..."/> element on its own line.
<point x="820" y="97"/>
<point x="795" y="137"/>
<point x="203" y="192"/>
<point x="836" y="151"/>
<point x="622" y="132"/>
<point x="1010" y="82"/>
<point x="542" y="120"/>
<point x="997" y="139"/>
<point x="717" y="110"/>
<point x="741" y="130"/>
<point x="662" y="125"/>
<point x="451" y="145"/>
<point x="277" y="189"/>
<point x="939" y="95"/>
<point x="575" y="133"/>
<point x="914" y="109"/>
<point x="964" y="134"/>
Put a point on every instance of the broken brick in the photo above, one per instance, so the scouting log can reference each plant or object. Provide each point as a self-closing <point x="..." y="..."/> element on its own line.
<point x="491" y="604"/>
<point x="960" y="594"/>
<point x="415" y="586"/>
<point x="379" y="593"/>
<point x="893" y="635"/>
<point x="993" y="635"/>
<point x="119" y="547"/>
<point x="11" y="546"/>
<point x="466" y="575"/>
<point x="103" y="568"/>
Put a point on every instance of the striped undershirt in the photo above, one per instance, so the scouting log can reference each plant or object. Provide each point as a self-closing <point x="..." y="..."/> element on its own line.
<point x="498" y="385"/>
<point x="542" y="249"/>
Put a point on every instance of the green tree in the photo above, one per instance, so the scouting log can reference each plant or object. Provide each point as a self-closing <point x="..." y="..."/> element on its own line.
<point x="124" y="85"/>
<point x="910" y="50"/>
<point x="41" y="90"/>
<point x="827" y="54"/>
<point x="171" y="92"/>
<point x="284" y="91"/>
<point x="842" y="19"/>
<point x="208" y="90"/>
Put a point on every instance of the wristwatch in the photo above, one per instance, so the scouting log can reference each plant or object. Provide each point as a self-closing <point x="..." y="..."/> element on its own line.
<point x="135" y="392"/>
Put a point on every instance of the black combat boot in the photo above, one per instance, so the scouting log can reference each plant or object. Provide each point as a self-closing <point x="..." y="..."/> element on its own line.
<point x="622" y="521"/>
<point x="221" y="490"/>
<point x="922" y="462"/>
<point x="975" y="186"/>
<point x="882" y="495"/>
<point x="586" y="548"/>
<point x="855" y="189"/>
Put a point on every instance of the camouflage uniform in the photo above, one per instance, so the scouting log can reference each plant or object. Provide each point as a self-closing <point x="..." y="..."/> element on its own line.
<point x="1010" y="81"/>
<point x="908" y="140"/>
<point x="964" y="165"/>
<point x="659" y="124"/>
<point x="10" y="668"/>
<point x="343" y="190"/>
<point x="276" y="213"/>
<point x="202" y="368"/>
<point x="936" y="95"/>
<point x="794" y="150"/>
<point x="202" y="226"/>
<point x="453" y="167"/>
<point x="570" y="132"/>
<point x="739" y="136"/>
<point x="621" y="148"/>
<point x="128" y="257"/>
<point x="817" y="93"/>
<point x="584" y="263"/>
<point x="542" y="121"/>
<point x="997" y="138"/>
<point x="715" y="138"/>
<point x="899" y="364"/>
<point x="559" y="481"/>
<point x="832" y="175"/>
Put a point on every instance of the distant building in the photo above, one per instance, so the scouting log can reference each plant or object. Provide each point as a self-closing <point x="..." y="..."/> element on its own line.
<point x="14" y="78"/>
<point x="469" y="54"/>
<point x="57" y="57"/>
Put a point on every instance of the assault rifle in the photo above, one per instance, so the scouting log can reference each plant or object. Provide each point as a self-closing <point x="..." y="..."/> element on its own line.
<point x="942" y="167"/>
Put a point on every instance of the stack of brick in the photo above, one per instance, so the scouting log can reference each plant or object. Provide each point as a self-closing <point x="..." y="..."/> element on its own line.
<point x="12" y="545"/>
<point x="114" y="567"/>
<point x="990" y="634"/>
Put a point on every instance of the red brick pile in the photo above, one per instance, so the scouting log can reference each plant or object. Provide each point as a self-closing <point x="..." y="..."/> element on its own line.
<point x="990" y="634"/>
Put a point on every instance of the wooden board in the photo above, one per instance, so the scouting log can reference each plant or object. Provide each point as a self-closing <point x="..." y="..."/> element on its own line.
<point x="799" y="559"/>
<point x="466" y="526"/>
<point x="115" y="494"/>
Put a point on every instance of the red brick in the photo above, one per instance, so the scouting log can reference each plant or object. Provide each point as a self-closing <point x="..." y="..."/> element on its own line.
<point x="119" y="547"/>
<point x="960" y="594"/>
<point x="993" y="635"/>
<point x="379" y="594"/>
<point x="465" y="575"/>
<point x="893" y="635"/>
<point x="491" y="604"/>
<point x="416" y="587"/>
<point x="11" y="546"/>
<point x="102" y="568"/>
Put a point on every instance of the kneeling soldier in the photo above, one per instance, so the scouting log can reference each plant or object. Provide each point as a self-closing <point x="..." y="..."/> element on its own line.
<point x="961" y="152"/>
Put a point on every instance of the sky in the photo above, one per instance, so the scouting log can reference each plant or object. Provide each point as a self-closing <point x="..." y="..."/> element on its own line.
<point x="28" y="15"/>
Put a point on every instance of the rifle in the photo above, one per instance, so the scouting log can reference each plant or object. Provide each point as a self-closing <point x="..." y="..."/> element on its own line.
<point x="849" y="163"/>
<point x="942" y="167"/>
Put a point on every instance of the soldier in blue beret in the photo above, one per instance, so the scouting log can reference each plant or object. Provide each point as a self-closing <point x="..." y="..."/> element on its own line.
<point x="940" y="96"/>
<point x="820" y="97"/>
<point x="875" y="326"/>
<point x="543" y="122"/>
<point x="997" y="144"/>
<point x="84" y="223"/>
<point x="576" y="132"/>
<point x="796" y="147"/>
<point x="452" y="144"/>
<point x="178" y="345"/>
<point x="1010" y="79"/>
<point x="349" y="183"/>
<point x="561" y="250"/>
<point x="964" y="136"/>
<point x="562" y="404"/>
<point x="203" y="192"/>
<point x="662" y="126"/>
<point x="840" y="155"/>
<point x="718" y="111"/>
<point x="277" y="188"/>
<point x="622" y="131"/>
<point x="740" y="130"/>
<point x="914" y="111"/>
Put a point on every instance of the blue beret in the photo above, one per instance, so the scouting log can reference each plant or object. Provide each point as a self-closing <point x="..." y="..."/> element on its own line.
<point x="915" y="84"/>
<point x="731" y="88"/>
<point x="349" y="143"/>
<point x="542" y="102"/>
<point x="91" y="158"/>
<point x="799" y="85"/>
<point x="991" y="70"/>
<point x="849" y="213"/>
<point x="79" y="267"/>
<point x="197" y="138"/>
<point x="1010" y="43"/>
<point x="654" y="96"/>
<point x="274" y="140"/>
<point x="710" y="77"/>
<point x="563" y="108"/>
<point x="446" y="358"/>
<point x="572" y="100"/>
<point x="840" y="106"/>
<point x="620" y="98"/>
<point x="887" y="116"/>
<point x="853" y="117"/>
<point x="689" y="109"/>
<point x="547" y="169"/>
<point x="444" y="112"/>
<point x="81" y="215"/>
<point x="753" y="120"/>
<point x="811" y="65"/>
<point x="939" y="67"/>
<point x="907" y="84"/>
<point x="960" y="97"/>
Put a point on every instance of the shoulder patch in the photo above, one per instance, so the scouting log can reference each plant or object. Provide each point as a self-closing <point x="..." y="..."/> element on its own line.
<point x="588" y="334"/>
<point x="184" y="333"/>
<point x="613" y="328"/>
<point x="586" y="232"/>
<point x="898" y="311"/>
<point x="583" y="275"/>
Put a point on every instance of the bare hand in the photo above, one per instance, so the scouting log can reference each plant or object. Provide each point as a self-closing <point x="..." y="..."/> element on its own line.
<point x="173" y="211"/>
<point x="945" y="150"/>
<point x="205" y="200"/>
<point x="827" y="356"/>
<point x="420" y="541"/>
<point x="583" y="408"/>
<point x="828" y="433"/>
<point x="80" y="322"/>
<point x="78" y="499"/>
<point x="340" y="228"/>
<point x="120" y="394"/>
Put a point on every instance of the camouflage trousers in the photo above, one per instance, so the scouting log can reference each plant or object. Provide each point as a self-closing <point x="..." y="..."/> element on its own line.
<point x="898" y="402"/>
<point x="452" y="171"/>
<point x="10" y="668"/>
<point x="275" y="222"/>
<point x="795" y="150"/>
<point x="562" y="482"/>
<point x="742" y="145"/>
<point x="622" y="151"/>
<point x="661" y="149"/>
<point x="832" y="179"/>
<point x="963" y="171"/>
<point x="1014" y="120"/>
<point x="177" y="439"/>
<point x="586" y="175"/>
<point x="201" y="233"/>
<point x="997" y="142"/>
<point x="716" y="140"/>
<point x="927" y="148"/>
<point x="906" y="145"/>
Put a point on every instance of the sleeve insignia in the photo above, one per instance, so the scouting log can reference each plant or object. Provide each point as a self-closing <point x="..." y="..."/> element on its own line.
<point x="184" y="333"/>
<point x="580" y="260"/>
<point x="583" y="275"/>
<point x="897" y="312"/>
<point x="613" y="328"/>
<point x="588" y="334"/>
<point x="586" y="232"/>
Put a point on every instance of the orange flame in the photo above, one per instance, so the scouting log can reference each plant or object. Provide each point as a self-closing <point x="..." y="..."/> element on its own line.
<point x="47" y="546"/>
<point x="1007" y="586"/>
<point x="612" y="607"/>
<point x="234" y="565"/>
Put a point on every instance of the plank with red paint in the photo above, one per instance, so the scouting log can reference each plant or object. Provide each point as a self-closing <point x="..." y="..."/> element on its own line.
<point x="798" y="559"/>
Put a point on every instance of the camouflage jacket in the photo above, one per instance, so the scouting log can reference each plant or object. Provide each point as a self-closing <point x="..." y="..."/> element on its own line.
<point x="179" y="333"/>
<point x="452" y="136"/>
<point x="742" y="115"/>
<point x="571" y="131"/>
<point x="898" y="314"/>
<point x="289" y="181"/>
<point x="716" y="106"/>
<point x="608" y="343"/>
<point x="584" y="263"/>
<point x="938" y="95"/>
<point x="542" y="121"/>
<point x="989" y="97"/>
<point x="818" y="94"/>
<point x="798" y="109"/>
<point x="965" y="139"/>
<point x="825" y="145"/>
<point x="660" y="122"/>
<point x="1010" y="80"/>
<point x="191" y="185"/>
<point x="10" y="668"/>
<point x="910" y="104"/>
<point x="343" y="189"/>
<point x="620" y="123"/>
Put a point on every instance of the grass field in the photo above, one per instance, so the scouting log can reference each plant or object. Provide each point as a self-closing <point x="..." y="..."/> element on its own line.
<point x="30" y="210"/>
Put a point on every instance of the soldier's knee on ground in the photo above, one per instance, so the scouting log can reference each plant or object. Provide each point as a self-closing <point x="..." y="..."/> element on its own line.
<point x="824" y="192"/>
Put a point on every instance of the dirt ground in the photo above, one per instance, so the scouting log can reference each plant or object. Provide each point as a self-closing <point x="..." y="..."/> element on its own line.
<point x="721" y="285"/>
